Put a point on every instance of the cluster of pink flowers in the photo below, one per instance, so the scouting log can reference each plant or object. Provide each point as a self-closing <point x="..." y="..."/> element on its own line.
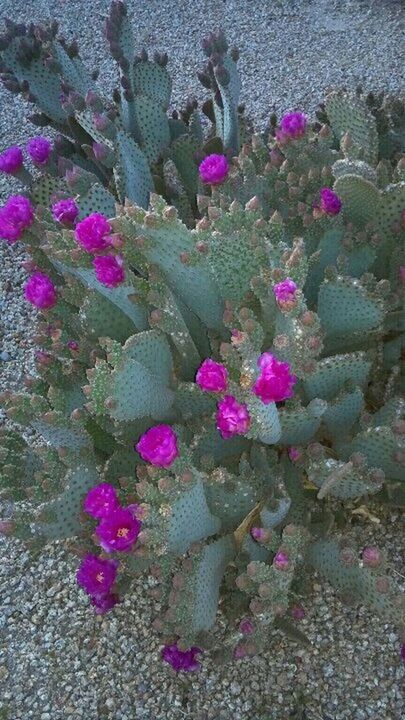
<point x="214" y="169"/>
<point x="274" y="384"/>
<point x="15" y="216"/>
<point x="12" y="159"/>
<point x="158" y="446"/>
<point x="181" y="660"/>
<point x="40" y="291"/>
<point x="292" y="127"/>
<point x="117" y="531"/>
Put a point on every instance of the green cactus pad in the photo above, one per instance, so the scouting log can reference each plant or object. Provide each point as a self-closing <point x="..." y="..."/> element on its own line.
<point x="190" y="520"/>
<point x="361" y="200"/>
<point x="299" y="426"/>
<point x="358" y="311"/>
<point x="343" y="412"/>
<point x="153" y="81"/>
<point x="133" y="177"/>
<point x="333" y="372"/>
<point x="208" y="576"/>
<point x="350" y="114"/>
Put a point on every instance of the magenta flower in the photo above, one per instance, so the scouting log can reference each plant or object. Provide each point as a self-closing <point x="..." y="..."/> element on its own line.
<point x="284" y="292"/>
<point x="212" y="376"/>
<point x="158" y="446"/>
<point x="330" y="202"/>
<point x="118" y="531"/>
<point x="40" y="291"/>
<point x="246" y="626"/>
<point x="109" y="270"/>
<point x="293" y="453"/>
<point x="73" y="345"/>
<point x="298" y="612"/>
<point x="101" y="500"/>
<point x="39" y="150"/>
<point x="293" y="125"/>
<point x="92" y="233"/>
<point x="275" y="382"/>
<point x="15" y="216"/>
<point x="232" y="417"/>
<point x="65" y="211"/>
<point x="371" y="556"/>
<point x="95" y="575"/>
<point x="214" y="169"/>
<point x="100" y="151"/>
<point x="11" y="160"/>
<point x="260" y="534"/>
<point x="281" y="561"/>
<point x="104" y="603"/>
<point x="184" y="660"/>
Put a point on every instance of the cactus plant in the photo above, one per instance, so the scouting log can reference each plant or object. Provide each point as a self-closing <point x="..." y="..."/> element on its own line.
<point x="220" y="346"/>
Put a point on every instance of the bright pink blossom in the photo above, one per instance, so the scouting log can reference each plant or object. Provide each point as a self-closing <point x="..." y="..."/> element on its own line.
<point x="158" y="446"/>
<point x="65" y="211"/>
<point x="92" y="233"/>
<point x="293" y="125"/>
<point x="39" y="150"/>
<point x="232" y="417"/>
<point x="101" y="500"/>
<point x="40" y="291"/>
<point x="184" y="660"/>
<point x="11" y="160"/>
<point x="212" y="376"/>
<point x="330" y="202"/>
<point x="95" y="575"/>
<point x="294" y="454"/>
<point x="275" y="382"/>
<point x="109" y="270"/>
<point x="284" y="291"/>
<point x="15" y="217"/>
<point x="281" y="561"/>
<point x="104" y="603"/>
<point x="246" y="626"/>
<point x="214" y="169"/>
<point x="118" y="530"/>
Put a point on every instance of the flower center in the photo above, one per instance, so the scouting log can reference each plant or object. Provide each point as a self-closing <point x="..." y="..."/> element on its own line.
<point x="122" y="532"/>
<point x="100" y="577"/>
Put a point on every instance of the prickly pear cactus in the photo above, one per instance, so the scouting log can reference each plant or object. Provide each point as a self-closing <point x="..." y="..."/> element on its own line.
<point x="221" y="338"/>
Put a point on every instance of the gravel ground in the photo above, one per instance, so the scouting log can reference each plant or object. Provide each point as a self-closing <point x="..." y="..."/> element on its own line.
<point x="57" y="660"/>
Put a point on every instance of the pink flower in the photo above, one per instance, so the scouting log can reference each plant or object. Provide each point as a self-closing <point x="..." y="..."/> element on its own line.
<point x="100" y="151"/>
<point x="92" y="233"/>
<point x="109" y="270"/>
<point x="118" y="531"/>
<point x="11" y="160"/>
<point x="285" y="292"/>
<point x="214" y="169"/>
<point x="212" y="376"/>
<point x="73" y="345"/>
<point x="293" y="125"/>
<point x="65" y="211"/>
<point x="39" y="150"/>
<point x="40" y="291"/>
<point x="281" y="561"/>
<point x="293" y="453"/>
<point x="232" y="417"/>
<point x="246" y="626"/>
<point x="181" y="659"/>
<point x="260" y="534"/>
<point x="298" y="612"/>
<point x="371" y="556"/>
<point x="158" y="446"/>
<point x="330" y="202"/>
<point x="104" y="603"/>
<point x="15" y="216"/>
<point x="101" y="500"/>
<point x="95" y="575"/>
<point x="275" y="381"/>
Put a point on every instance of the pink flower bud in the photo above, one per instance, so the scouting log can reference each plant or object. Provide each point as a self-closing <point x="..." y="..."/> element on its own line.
<point x="285" y="292"/>
<point x="260" y="534"/>
<point x="293" y="125"/>
<point x="246" y="627"/>
<point x="39" y="150"/>
<point x="330" y="203"/>
<point x="212" y="376"/>
<point x="281" y="561"/>
<point x="11" y="160"/>
<point x="371" y="556"/>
